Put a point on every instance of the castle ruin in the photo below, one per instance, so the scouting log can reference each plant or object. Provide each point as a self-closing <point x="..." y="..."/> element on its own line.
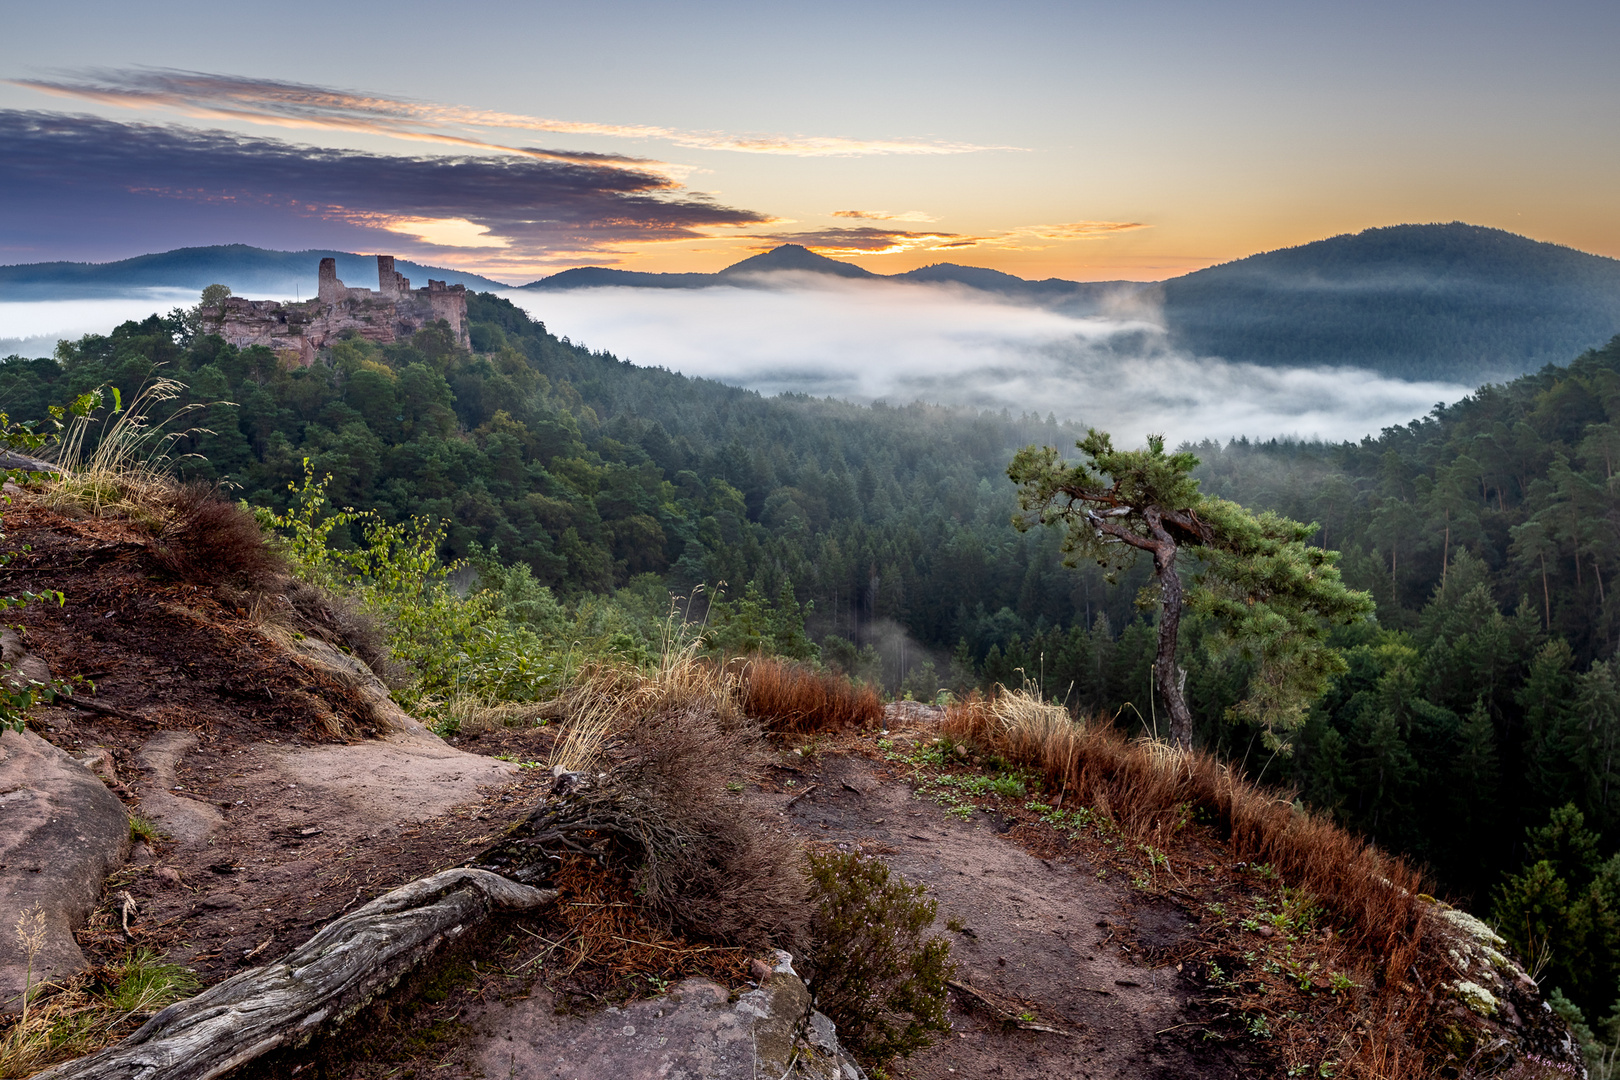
<point x="390" y="313"/>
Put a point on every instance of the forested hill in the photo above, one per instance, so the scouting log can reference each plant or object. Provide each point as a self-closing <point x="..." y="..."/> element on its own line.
<point x="1485" y="697"/>
<point x="595" y="472"/>
<point x="1455" y="302"/>
<point x="1486" y="700"/>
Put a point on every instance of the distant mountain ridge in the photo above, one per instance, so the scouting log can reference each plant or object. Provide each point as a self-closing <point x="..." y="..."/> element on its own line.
<point x="1456" y="302"/>
<point x="1449" y="301"/>
<point x="786" y="258"/>
<point x="249" y="271"/>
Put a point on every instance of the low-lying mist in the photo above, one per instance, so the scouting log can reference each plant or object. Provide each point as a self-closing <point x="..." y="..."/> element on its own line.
<point x="901" y="342"/>
<point x="945" y="344"/>
<point x="33" y="327"/>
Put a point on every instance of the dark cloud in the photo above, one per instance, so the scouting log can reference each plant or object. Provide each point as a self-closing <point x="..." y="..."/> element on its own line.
<point x="67" y="179"/>
<point x="236" y="97"/>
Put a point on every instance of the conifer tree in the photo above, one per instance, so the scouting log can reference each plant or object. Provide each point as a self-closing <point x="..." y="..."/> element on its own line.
<point x="1269" y="596"/>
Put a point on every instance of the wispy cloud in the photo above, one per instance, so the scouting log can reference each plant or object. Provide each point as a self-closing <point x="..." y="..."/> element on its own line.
<point x="288" y="104"/>
<point x="66" y="176"/>
<point x="856" y="240"/>
<point x="883" y="215"/>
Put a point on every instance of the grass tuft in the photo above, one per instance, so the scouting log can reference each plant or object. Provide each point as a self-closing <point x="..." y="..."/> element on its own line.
<point x="144" y="829"/>
<point x="791" y="699"/>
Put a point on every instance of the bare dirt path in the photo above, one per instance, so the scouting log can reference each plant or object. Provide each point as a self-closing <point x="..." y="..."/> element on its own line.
<point x="1048" y="940"/>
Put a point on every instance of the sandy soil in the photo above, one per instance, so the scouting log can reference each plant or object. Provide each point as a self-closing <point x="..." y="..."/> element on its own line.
<point x="1041" y="938"/>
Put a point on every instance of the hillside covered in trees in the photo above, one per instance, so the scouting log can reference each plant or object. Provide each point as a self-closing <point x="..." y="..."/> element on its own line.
<point x="1483" y="701"/>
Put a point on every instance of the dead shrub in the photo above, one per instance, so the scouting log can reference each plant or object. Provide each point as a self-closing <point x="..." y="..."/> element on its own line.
<point x="791" y="699"/>
<point x="606" y="946"/>
<point x="207" y="540"/>
<point x="707" y="867"/>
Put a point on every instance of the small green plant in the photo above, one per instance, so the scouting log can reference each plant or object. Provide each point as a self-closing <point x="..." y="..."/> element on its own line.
<point x="1340" y="983"/>
<point x="875" y="974"/>
<point x="144" y="829"/>
<point x="1259" y="1026"/>
<point x="145" y="983"/>
<point x="1008" y="786"/>
<point x="955" y="925"/>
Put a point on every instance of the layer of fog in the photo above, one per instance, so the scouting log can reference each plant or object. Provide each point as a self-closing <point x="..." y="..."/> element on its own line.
<point x="946" y="344"/>
<point x="902" y="342"/>
<point x="33" y="327"/>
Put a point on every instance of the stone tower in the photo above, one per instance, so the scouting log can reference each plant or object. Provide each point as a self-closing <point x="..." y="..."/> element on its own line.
<point x="390" y="283"/>
<point x="330" y="288"/>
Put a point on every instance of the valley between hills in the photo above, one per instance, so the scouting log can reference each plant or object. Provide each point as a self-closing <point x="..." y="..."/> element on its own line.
<point x="517" y="710"/>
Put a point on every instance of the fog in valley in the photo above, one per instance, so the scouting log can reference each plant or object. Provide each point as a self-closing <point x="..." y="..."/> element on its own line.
<point x="901" y="342"/>
<point x="33" y="327"/>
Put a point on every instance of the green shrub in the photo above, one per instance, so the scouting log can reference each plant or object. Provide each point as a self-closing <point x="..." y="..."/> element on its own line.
<point x="874" y="973"/>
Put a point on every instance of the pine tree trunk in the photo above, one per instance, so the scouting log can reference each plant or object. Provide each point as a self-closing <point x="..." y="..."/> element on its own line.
<point x="1445" y="552"/>
<point x="1546" y="594"/>
<point x="1165" y="673"/>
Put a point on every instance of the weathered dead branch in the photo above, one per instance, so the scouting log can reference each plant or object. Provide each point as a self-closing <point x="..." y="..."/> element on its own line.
<point x="315" y="988"/>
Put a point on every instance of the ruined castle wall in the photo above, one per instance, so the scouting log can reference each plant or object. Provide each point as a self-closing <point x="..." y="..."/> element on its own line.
<point x="450" y="304"/>
<point x="329" y="288"/>
<point x="384" y="316"/>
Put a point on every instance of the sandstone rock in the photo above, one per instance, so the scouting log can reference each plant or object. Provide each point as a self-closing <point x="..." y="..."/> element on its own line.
<point x="187" y="821"/>
<point x="1501" y="1017"/>
<point x="349" y="670"/>
<point x="63" y="833"/>
<point x="691" y="1033"/>
<point x="25" y="666"/>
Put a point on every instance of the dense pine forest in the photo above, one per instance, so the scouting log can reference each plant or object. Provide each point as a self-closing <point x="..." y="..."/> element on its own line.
<point x="1478" y="726"/>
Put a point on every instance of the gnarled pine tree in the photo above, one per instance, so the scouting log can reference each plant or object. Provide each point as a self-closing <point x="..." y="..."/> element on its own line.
<point x="1269" y="596"/>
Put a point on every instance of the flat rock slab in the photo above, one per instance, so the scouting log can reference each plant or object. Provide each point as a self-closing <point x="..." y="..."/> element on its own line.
<point x="61" y="833"/>
<point x="398" y="779"/>
<point x="692" y="1033"/>
<point x="1037" y="935"/>
<point x="184" y="820"/>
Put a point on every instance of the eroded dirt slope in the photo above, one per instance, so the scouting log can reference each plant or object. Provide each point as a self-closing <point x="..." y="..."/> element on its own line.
<point x="282" y="793"/>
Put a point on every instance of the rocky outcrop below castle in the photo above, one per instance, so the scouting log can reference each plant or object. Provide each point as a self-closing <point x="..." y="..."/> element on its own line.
<point x="389" y="313"/>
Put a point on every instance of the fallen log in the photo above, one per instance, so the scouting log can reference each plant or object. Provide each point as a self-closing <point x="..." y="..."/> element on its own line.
<point x="314" y="988"/>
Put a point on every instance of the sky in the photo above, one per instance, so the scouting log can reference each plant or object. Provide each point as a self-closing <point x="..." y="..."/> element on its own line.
<point x="1079" y="140"/>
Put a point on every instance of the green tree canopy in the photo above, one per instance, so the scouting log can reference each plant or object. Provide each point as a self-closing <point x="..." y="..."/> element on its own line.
<point x="1269" y="595"/>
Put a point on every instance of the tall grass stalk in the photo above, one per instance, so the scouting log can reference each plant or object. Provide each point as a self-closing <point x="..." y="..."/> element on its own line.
<point x="607" y="697"/>
<point x="127" y="468"/>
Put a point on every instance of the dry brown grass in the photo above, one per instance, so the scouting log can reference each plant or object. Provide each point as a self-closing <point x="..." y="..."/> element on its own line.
<point x="605" y="700"/>
<point x="207" y="540"/>
<point x="126" y="469"/>
<point x="791" y="699"/>
<point x="1149" y="790"/>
